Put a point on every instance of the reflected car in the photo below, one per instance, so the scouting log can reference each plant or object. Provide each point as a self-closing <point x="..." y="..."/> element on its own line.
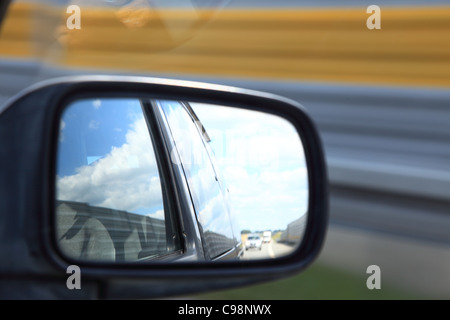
<point x="253" y="242"/>
<point x="112" y="199"/>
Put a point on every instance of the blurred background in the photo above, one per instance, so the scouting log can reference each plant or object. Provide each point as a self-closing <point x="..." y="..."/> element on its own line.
<point x="380" y="98"/>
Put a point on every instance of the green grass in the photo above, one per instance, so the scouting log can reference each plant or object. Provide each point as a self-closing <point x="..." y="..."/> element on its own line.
<point x="317" y="282"/>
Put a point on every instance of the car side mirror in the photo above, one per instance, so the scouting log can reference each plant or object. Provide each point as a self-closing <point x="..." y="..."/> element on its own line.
<point x="159" y="186"/>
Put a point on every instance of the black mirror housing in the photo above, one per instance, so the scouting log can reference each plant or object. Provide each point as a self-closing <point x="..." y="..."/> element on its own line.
<point x="29" y="130"/>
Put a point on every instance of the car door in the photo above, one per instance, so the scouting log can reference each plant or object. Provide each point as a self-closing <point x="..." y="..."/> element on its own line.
<point x="219" y="238"/>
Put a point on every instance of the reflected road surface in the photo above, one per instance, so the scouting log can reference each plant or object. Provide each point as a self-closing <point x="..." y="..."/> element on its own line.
<point x="268" y="251"/>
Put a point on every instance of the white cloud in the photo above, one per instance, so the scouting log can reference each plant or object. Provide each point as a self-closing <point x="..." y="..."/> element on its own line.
<point x="262" y="160"/>
<point x="125" y="179"/>
<point x="268" y="200"/>
<point x="62" y="125"/>
<point x="157" y="215"/>
<point x="94" y="125"/>
<point x="97" y="103"/>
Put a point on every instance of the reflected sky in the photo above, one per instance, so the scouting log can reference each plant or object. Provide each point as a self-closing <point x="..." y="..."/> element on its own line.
<point x="262" y="160"/>
<point x="105" y="157"/>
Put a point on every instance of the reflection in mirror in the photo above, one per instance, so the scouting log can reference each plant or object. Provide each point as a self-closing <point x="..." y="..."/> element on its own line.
<point x="110" y="205"/>
<point x="243" y="174"/>
<point x="262" y="160"/>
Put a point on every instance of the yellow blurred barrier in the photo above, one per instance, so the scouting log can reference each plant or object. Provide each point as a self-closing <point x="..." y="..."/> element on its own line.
<point x="412" y="47"/>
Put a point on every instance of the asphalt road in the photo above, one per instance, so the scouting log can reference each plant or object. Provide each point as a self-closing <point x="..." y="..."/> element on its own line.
<point x="418" y="267"/>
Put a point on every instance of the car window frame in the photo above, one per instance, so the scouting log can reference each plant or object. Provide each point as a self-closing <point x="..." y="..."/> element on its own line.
<point x="233" y="251"/>
<point x="187" y="216"/>
<point x="171" y="216"/>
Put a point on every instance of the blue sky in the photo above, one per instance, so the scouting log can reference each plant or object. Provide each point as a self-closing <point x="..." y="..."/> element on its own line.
<point x="91" y="128"/>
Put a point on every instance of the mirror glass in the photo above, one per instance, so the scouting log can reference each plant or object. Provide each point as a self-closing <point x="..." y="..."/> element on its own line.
<point x="240" y="175"/>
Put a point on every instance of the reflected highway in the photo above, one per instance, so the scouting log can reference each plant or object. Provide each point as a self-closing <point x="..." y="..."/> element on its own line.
<point x="269" y="250"/>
